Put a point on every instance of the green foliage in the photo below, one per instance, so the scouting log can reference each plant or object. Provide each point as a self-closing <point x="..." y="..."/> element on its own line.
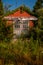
<point x="38" y="5"/>
<point x="5" y="32"/>
<point x="1" y="16"/>
<point x="38" y="10"/>
<point x="21" y="52"/>
<point x="40" y="25"/>
<point x="1" y="8"/>
<point x="8" y="33"/>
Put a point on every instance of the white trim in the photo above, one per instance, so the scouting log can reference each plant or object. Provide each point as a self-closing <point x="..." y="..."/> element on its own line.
<point x="20" y="18"/>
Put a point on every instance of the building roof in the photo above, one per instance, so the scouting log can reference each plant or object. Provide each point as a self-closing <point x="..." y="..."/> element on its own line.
<point x="19" y="14"/>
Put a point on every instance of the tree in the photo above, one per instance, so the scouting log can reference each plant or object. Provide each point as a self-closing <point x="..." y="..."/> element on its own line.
<point x="1" y="8"/>
<point x="7" y="8"/>
<point x="38" y="10"/>
<point x="1" y="16"/>
<point x="40" y="24"/>
<point x="38" y="5"/>
<point x="5" y="32"/>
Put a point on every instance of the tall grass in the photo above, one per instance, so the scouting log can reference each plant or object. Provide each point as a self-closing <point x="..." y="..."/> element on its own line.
<point x="21" y="52"/>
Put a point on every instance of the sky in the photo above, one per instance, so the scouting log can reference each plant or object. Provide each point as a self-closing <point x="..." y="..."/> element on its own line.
<point x="17" y="3"/>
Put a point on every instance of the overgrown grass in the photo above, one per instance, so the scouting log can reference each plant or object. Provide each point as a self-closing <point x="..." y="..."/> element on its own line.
<point x="21" y="52"/>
